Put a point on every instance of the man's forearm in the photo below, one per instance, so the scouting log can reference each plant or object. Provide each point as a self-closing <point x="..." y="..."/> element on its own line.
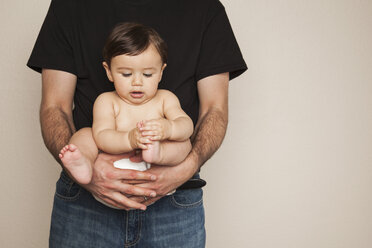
<point x="208" y="136"/>
<point x="57" y="128"/>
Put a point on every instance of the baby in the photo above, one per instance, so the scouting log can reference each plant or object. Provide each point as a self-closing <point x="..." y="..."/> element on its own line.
<point x="136" y="115"/>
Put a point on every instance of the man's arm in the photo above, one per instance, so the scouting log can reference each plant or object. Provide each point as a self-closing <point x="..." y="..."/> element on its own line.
<point x="213" y="117"/>
<point x="56" y="121"/>
<point x="207" y="138"/>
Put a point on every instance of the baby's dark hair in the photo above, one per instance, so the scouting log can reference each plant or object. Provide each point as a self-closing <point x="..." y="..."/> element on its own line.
<point x="132" y="39"/>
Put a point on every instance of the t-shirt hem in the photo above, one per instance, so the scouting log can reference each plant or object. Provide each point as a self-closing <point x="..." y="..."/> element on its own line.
<point x="234" y="71"/>
<point x="39" y="66"/>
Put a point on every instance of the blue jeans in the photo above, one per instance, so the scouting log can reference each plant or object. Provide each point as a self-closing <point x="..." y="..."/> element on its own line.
<point x="78" y="220"/>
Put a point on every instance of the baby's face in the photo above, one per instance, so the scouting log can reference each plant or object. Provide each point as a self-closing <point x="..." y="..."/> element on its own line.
<point x="136" y="78"/>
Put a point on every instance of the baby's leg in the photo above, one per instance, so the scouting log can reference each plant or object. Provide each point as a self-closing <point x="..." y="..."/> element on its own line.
<point x="78" y="157"/>
<point x="166" y="152"/>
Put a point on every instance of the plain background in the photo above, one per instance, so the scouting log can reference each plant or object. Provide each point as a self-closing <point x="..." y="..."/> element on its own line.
<point x="295" y="167"/>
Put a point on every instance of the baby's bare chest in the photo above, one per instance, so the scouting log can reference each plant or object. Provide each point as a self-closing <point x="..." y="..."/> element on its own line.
<point x="128" y="116"/>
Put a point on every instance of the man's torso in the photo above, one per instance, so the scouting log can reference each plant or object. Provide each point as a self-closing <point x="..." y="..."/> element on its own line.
<point x="179" y="23"/>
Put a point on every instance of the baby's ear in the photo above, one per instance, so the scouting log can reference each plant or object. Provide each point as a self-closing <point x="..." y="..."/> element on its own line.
<point x="162" y="69"/>
<point x="108" y="71"/>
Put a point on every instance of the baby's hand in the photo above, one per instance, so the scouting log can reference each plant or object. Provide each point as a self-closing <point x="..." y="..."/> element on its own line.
<point x="159" y="129"/>
<point x="137" y="140"/>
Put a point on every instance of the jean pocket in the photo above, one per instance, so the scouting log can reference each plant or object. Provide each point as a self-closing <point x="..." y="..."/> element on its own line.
<point x="187" y="198"/>
<point x="66" y="188"/>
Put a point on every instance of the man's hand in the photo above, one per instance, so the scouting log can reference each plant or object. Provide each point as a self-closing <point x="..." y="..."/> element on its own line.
<point x="157" y="129"/>
<point x="113" y="185"/>
<point x="169" y="178"/>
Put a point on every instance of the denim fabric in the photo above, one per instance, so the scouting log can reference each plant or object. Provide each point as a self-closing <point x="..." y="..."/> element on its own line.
<point x="78" y="220"/>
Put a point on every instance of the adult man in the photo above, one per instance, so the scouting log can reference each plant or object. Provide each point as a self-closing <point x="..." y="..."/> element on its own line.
<point x="203" y="55"/>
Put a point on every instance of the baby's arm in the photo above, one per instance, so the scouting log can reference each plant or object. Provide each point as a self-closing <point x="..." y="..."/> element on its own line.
<point x="177" y="126"/>
<point x="107" y="138"/>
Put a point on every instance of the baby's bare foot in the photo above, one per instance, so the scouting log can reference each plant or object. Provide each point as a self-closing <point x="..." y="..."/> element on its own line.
<point x="153" y="153"/>
<point x="78" y="165"/>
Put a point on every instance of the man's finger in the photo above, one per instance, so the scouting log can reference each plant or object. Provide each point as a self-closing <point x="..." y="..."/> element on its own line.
<point x="146" y="201"/>
<point x="130" y="189"/>
<point x="113" y="203"/>
<point x="139" y="199"/>
<point x="124" y="174"/>
<point x="125" y="202"/>
<point x="134" y="182"/>
<point x="151" y="200"/>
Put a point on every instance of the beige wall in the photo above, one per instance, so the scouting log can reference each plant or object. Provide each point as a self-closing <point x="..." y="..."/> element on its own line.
<point x="295" y="167"/>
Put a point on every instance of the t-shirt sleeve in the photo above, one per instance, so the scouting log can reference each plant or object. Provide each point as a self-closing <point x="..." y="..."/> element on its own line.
<point x="219" y="50"/>
<point x="52" y="48"/>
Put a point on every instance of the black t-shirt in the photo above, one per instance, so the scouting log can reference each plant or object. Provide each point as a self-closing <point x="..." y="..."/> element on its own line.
<point x="200" y="43"/>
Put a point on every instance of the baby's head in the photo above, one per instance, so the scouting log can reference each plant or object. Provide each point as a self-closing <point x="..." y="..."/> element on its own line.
<point x="134" y="59"/>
